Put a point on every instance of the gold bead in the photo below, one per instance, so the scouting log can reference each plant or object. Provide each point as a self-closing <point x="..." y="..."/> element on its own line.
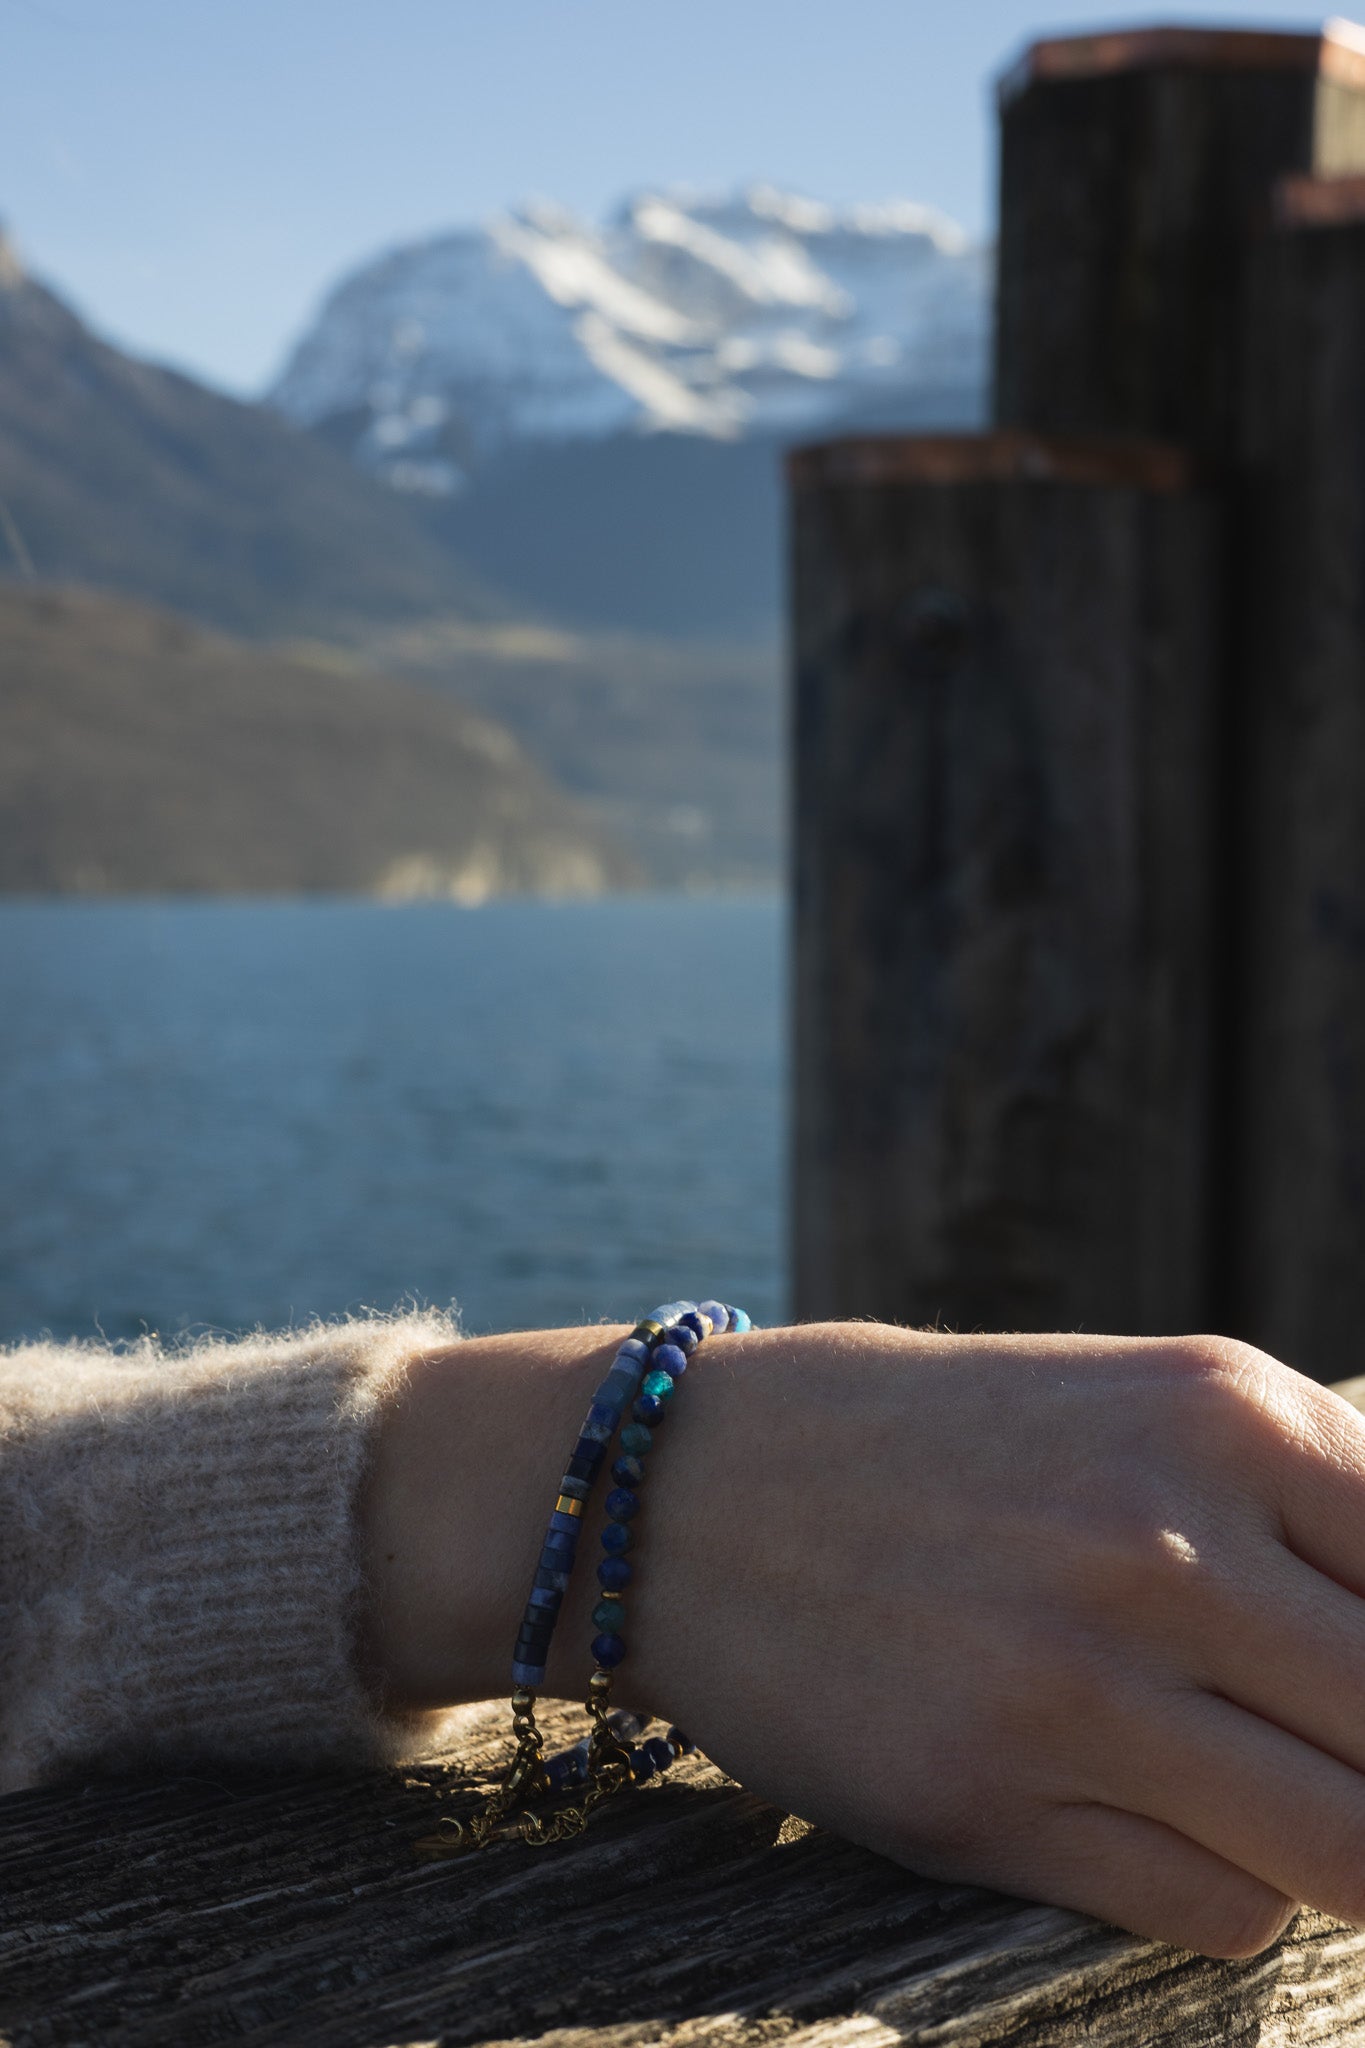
<point x="522" y="1700"/>
<point x="600" y="1682"/>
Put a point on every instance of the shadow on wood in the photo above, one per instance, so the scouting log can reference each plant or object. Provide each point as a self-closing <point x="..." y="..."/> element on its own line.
<point x="151" y="1916"/>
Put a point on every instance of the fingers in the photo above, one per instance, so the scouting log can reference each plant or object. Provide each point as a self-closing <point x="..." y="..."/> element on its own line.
<point x="1146" y="1877"/>
<point x="1288" y="1645"/>
<point x="1317" y="1442"/>
<point x="1250" y="1793"/>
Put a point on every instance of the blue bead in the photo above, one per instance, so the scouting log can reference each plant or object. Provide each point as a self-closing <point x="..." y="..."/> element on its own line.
<point x="614" y="1573"/>
<point x="608" y="1651"/>
<point x="566" y="1771"/>
<point x="648" y="1409"/>
<point x="588" y="1450"/>
<point x="693" y="1321"/>
<point x="659" y="1384"/>
<point x="628" y="1471"/>
<point x="641" y="1764"/>
<point x="574" y="1488"/>
<point x="616" y="1537"/>
<point x="532" y="1675"/>
<point x="718" y="1312"/>
<point x="552" y="1578"/>
<point x="557" y="1541"/>
<point x="622" y="1504"/>
<point x="739" y="1321"/>
<point x="566" y="1524"/>
<point x="685" y="1339"/>
<point x="635" y="1439"/>
<point x="670" y="1358"/>
<point x="633" y="1352"/>
<point x="616" y="1389"/>
<point x="659" y="1752"/>
<point x="546" y="1596"/>
<point x="684" y="1744"/>
<point x="671" y="1312"/>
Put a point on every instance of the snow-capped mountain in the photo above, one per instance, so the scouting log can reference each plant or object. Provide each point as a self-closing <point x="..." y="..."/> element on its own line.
<point x="756" y="315"/>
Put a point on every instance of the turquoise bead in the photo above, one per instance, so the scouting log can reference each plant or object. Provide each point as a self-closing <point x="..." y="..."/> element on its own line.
<point x="659" y="1384"/>
<point x="636" y="1439"/>
<point x="607" y="1616"/>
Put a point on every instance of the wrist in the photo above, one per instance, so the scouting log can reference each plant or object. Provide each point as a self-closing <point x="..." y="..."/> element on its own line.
<point x="465" y="1471"/>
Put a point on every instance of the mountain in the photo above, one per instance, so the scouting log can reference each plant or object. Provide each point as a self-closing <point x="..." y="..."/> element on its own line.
<point x="138" y="752"/>
<point x="592" y="415"/>
<point x="121" y="475"/>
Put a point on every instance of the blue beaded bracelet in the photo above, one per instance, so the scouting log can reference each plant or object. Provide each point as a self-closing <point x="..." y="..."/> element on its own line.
<point x="559" y="1550"/>
<point x="644" y="1374"/>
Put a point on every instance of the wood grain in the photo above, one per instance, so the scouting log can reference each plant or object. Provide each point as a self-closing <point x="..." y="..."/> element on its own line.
<point x="1003" y="750"/>
<point x="212" y="1910"/>
<point x="1133" y="172"/>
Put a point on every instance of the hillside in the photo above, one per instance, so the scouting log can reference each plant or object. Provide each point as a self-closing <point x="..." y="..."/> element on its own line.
<point x="676" y="745"/>
<point x="140" y="753"/>
<point x="120" y="475"/>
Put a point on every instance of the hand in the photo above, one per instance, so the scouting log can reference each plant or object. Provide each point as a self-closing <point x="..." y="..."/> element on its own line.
<point x="1078" y="1618"/>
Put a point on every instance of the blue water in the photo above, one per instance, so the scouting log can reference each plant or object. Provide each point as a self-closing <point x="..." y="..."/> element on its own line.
<point x="231" y="1114"/>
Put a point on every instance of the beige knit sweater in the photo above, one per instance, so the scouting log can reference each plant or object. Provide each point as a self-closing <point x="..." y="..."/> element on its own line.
<point x="180" y="1574"/>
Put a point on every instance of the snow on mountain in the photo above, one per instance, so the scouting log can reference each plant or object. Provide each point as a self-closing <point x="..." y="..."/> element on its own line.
<point x="757" y="314"/>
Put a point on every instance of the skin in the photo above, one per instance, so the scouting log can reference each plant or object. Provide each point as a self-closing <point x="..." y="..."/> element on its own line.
<point x="1081" y="1618"/>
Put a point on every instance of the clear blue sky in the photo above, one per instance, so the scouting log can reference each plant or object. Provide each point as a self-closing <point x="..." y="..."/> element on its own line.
<point x="193" y="173"/>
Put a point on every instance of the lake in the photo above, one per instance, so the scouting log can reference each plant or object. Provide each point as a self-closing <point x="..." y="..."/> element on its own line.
<point x="229" y="1114"/>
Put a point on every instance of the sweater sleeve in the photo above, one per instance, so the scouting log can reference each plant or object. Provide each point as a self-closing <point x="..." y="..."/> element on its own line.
<point x="180" y="1567"/>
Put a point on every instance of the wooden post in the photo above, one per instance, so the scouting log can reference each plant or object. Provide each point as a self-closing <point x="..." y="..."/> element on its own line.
<point x="1004" y="662"/>
<point x="1133" y="170"/>
<point x="1299" y="1228"/>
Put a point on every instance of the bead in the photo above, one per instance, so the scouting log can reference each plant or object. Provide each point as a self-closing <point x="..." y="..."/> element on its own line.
<point x="647" y="1330"/>
<point x="622" y="1504"/>
<point x="589" y="1450"/>
<point x="641" y="1765"/>
<point x="633" y="1352"/>
<point x="659" y="1752"/>
<point x="614" y="1573"/>
<point x="684" y="1744"/>
<point x="608" y="1615"/>
<point x="739" y="1321"/>
<point x="670" y="1359"/>
<point x="628" y="1471"/>
<point x="566" y="1525"/>
<point x="608" y="1650"/>
<point x="572" y="1488"/>
<point x="528" y="1674"/>
<point x="522" y="1701"/>
<point x="617" y="1388"/>
<point x="559" y="1542"/>
<point x="626" y="1726"/>
<point x="659" y="1384"/>
<point x="565" y="1772"/>
<point x="648" y="1409"/>
<point x="717" y="1313"/>
<point x="636" y="1439"/>
<point x="557" y="1580"/>
<point x="600" y="1683"/>
<point x="616" y="1537"/>
<point x="680" y="1335"/>
<point x="692" y="1321"/>
<point x="546" y="1596"/>
<point x="600" y="1426"/>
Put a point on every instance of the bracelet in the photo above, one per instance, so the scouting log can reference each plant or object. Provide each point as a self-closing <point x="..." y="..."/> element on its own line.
<point x="645" y="1371"/>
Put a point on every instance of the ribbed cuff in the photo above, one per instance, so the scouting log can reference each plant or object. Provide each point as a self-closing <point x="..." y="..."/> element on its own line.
<point x="180" y="1572"/>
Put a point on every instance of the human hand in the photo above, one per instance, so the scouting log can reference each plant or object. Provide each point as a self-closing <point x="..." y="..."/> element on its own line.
<point x="1078" y="1618"/>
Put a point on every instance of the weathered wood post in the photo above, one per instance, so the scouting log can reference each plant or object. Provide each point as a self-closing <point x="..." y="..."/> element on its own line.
<point x="1004" y="653"/>
<point x="1144" y="295"/>
<point x="1300" y="1180"/>
<point x="1134" y="169"/>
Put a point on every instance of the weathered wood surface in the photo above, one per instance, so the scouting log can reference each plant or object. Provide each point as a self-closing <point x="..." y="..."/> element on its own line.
<point x="1300" y="1125"/>
<point x="155" y="1916"/>
<point x="1134" y="169"/>
<point x="1004" y="654"/>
